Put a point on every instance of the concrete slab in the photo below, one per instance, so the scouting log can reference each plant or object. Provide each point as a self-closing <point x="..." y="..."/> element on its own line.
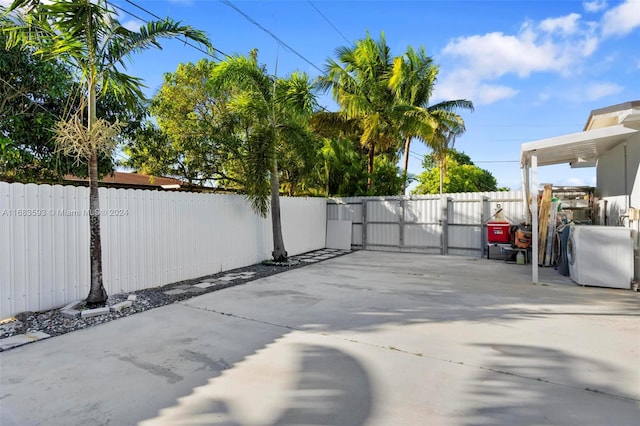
<point x="94" y="312"/>
<point x="368" y="338"/>
<point x="120" y="306"/>
<point x="21" y="339"/>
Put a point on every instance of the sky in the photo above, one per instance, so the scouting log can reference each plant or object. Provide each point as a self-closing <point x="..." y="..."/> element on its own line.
<point x="533" y="69"/>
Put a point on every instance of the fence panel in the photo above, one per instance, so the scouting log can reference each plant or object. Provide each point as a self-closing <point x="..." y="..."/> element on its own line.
<point x="416" y="223"/>
<point x="149" y="238"/>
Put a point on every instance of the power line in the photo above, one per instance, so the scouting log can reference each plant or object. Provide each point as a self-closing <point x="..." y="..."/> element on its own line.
<point x="275" y="37"/>
<point x="159" y="18"/>
<point x="328" y="21"/>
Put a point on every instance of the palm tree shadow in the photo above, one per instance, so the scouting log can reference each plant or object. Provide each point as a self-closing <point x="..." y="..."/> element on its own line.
<point x="333" y="389"/>
<point x="532" y="385"/>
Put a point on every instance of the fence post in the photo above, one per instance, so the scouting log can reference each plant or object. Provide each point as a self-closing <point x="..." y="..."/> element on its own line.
<point x="444" y="223"/>
<point x="364" y="224"/>
<point x="401" y="221"/>
<point x="485" y="214"/>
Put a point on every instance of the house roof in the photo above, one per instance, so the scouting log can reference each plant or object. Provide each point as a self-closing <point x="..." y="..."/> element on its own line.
<point x="606" y="128"/>
<point x="136" y="180"/>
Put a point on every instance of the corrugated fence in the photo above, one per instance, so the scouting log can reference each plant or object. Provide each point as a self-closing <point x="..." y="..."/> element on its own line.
<point x="149" y="238"/>
<point x="447" y="224"/>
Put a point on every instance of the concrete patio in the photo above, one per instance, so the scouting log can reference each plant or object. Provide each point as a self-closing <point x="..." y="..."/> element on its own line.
<point x="369" y="338"/>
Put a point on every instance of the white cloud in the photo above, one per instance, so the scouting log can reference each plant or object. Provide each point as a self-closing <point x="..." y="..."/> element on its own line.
<point x="594" y="6"/>
<point x="462" y="84"/>
<point x="622" y="19"/>
<point x="587" y="91"/>
<point x="132" y="24"/>
<point x="534" y="49"/>
<point x="554" y="45"/>
<point x="596" y="91"/>
<point x="565" y="25"/>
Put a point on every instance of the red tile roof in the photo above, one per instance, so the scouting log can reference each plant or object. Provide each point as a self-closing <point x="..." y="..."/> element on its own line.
<point x="122" y="179"/>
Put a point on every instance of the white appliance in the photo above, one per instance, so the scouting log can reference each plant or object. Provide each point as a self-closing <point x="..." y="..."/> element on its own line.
<point x="600" y="256"/>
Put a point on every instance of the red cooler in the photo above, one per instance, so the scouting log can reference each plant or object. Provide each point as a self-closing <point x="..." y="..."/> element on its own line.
<point x="499" y="232"/>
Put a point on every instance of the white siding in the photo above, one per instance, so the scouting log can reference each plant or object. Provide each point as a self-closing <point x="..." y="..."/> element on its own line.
<point x="149" y="238"/>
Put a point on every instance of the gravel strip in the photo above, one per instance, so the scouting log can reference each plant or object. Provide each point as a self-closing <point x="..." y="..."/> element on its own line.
<point x="54" y="324"/>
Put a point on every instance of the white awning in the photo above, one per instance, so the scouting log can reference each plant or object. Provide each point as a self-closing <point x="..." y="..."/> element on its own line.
<point x="575" y="148"/>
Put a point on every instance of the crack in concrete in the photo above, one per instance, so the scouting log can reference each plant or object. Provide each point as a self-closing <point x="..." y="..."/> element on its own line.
<point x="394" y="349"/>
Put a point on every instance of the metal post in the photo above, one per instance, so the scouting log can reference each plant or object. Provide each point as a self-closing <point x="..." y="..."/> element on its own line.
<point x="401" y="222"/>
<point x="444" y="222"/>
<point x="485" y="214"/>
<point x="534" y="216"/>
<point x="364" y="224"/>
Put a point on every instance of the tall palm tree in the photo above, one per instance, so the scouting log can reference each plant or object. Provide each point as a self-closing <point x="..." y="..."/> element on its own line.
<point x="359" y="85"/>
<point x="412" y="81"/>
<point x="86" y="35"/>
<point x="269" y="112"/>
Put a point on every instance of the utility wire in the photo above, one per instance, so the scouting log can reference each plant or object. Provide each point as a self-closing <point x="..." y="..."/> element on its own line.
<point x="159" y="18"/>
<point x="328" y="21"/>
<point x="275" y="37"/>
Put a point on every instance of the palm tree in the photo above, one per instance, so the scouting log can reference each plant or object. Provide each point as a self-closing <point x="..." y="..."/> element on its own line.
<point x="86" y="35"/>
<point x="359" y="85"/>
<point x="269" y="112"/>
<point x="412" y="81"/>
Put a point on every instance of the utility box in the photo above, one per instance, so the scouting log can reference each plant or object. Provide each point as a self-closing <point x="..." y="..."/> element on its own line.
<point x="498" y="251"/>
<point x="498" y="232"/>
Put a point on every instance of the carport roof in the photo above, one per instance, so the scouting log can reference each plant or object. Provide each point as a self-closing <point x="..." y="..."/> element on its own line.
<point x="605" y="129"/>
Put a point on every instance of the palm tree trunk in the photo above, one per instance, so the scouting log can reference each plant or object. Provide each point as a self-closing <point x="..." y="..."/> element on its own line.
<point x="407" y="145"/>
<point x="372" y="150"/>
<point x="279" y="253"/>
<point x="97" y="294"/>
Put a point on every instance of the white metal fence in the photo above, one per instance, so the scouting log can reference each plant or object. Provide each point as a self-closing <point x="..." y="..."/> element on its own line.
<point x="149" y="238"/>
<point x="447" y="224"/>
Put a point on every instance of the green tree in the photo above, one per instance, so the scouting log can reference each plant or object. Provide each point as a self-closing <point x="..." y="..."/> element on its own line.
<point x="413" y="80"/>
<point x="461" y="175"/>
<point x="34" y="94"/>
<point x="190" y="140"/>
<point x="359" y="83"/>
<point x="86" y="35"/>
<point x="268" y="114"/>
<point x="342" y="170"/>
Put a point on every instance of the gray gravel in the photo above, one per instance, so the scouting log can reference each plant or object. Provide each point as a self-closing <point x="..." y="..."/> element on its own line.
<point x="54" y="324"/>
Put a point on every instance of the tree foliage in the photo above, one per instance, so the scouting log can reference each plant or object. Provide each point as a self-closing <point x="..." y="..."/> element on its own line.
<point x="34" y="95"/>
<point x="194" y="138"/>
<point x="86" y="36"/>
<point x="413" y="80"/>
<point x="461" y="175"/>
<point x="270" y="118"/>
<point x="342" y="170"/>
<point x="359" y="84"/>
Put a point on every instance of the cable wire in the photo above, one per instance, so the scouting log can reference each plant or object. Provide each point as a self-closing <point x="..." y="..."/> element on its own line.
<point x="328" y="21"/>
<point x="159" y="18"/>
<point x="266" y="30"/>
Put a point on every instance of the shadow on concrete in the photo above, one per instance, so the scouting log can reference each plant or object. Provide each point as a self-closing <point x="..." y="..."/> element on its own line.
<point x="531" y="385"/>
<point x="330" y="388"/>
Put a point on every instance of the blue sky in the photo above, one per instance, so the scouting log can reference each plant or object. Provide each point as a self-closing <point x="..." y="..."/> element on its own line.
<point x="534" y="69"/>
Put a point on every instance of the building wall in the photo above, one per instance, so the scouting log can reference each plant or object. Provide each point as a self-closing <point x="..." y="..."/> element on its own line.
<point x="620" y="194"/>
<point x="618" y="179"/>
